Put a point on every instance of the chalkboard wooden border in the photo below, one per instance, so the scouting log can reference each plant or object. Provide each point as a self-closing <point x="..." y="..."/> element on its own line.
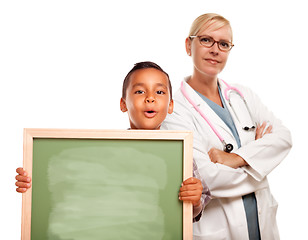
<point x="32" y="133"/>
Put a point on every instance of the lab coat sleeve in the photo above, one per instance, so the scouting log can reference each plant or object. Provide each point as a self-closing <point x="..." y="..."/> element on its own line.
<point x="264" y="154"/>
<point x="222" y="180"/>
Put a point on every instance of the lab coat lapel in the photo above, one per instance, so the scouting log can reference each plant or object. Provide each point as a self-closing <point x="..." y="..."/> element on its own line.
<point x="207" y="110"/>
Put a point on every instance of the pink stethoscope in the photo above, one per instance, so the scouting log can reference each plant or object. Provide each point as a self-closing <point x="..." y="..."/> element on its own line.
<point x="228" y="147"/>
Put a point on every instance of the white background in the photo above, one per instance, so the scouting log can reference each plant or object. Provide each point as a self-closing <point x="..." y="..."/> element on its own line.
<point x="62" y="64"/>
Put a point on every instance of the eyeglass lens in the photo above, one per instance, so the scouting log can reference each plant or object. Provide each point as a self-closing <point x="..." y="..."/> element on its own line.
<point x="208" y="41"/>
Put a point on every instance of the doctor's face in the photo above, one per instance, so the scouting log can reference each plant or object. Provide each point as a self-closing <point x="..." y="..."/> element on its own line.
<point x="147" y="100"/>
<point x="209" y="61"/>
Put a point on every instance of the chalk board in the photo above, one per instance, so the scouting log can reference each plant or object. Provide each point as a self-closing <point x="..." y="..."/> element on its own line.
<point x="106" y="184"/>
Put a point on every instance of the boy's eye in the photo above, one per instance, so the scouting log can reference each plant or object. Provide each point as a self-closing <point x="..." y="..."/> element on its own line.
<point x="160" y="92"/>
<point x="139" y="92"/>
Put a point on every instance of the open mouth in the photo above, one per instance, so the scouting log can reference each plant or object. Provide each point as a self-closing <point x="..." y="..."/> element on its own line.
<point x="150" y="114"/>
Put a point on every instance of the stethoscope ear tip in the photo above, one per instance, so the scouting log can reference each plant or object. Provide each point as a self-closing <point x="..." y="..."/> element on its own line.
<point x="249" y="128"/>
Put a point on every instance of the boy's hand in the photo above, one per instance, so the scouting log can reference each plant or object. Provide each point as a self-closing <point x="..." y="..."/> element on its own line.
<point x="23" y="181"/>
<point x="191" y="191"/>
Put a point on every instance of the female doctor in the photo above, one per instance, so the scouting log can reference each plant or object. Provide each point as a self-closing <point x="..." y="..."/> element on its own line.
<point x="231" y="162"/>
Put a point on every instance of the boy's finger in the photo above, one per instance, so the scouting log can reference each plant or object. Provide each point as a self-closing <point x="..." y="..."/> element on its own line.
<point x="21" y="171"/>
<point x="22" y="178"/>
<point x="191" y="180"/>
<point x="194" y="193"/>
<point x="21" y="190"/>
<point x="189" y="199"/>
<point x="193" y="186"/>
<point x="23" y="185"/>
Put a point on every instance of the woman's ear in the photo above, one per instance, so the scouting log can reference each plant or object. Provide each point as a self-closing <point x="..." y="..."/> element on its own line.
<point x="170" y="108"/>
<point x="188" y="46"/>
<point x="123" y="105"/>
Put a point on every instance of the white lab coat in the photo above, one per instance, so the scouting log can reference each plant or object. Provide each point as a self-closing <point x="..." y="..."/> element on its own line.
<point x="224" y="217"/>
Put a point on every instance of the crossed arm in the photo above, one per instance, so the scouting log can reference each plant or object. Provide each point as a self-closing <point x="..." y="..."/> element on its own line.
<point x="231" y="159"/>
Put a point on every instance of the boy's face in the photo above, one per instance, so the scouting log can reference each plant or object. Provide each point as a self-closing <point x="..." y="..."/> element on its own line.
<point x="147" y="99"/>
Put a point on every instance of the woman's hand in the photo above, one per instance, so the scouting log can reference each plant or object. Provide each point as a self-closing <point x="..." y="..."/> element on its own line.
<point x="260" y="130"/>
<point x="23" y="182"/>
<point x="191" y="191"/>
<point x="229" y="159"/>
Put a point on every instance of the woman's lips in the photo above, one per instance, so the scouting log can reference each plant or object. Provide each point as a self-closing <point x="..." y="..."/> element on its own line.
<point x="212" y="61"/>
<point x="150" y="114"/>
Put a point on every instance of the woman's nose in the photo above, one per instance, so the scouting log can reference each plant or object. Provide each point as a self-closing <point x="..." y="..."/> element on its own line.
<point x="214" y="49"/>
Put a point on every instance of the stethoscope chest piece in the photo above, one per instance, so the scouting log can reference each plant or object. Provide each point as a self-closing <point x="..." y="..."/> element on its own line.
<point x="228" y="147"/>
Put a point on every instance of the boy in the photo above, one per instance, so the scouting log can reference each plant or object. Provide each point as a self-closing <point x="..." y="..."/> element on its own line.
<point x="147" y="98"/>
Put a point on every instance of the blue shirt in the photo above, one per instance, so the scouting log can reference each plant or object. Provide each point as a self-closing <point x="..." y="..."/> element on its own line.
<point x="224" y="114"/>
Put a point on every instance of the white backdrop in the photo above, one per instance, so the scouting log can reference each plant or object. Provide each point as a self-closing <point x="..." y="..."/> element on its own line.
<point x="62" y="64"/>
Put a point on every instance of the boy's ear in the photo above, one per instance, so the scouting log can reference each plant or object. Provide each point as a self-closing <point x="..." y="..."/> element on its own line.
<point x="123" y="105"/>
<point x="170" y="108"/>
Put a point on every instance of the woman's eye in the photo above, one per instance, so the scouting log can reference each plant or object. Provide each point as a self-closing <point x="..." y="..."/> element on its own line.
<point x="206" y="40"/>
<point x="224" y="44"/>
<point x="139" y="92"/>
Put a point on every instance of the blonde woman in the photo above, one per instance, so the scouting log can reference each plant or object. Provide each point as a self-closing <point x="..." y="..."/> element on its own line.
<point x="233" y="148"/>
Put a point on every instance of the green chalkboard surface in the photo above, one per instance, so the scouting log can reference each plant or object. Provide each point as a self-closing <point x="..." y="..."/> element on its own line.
<point x="91" y="188"/>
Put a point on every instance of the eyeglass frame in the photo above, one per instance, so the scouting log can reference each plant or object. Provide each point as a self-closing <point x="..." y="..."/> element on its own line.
<point x="214" y="41"/>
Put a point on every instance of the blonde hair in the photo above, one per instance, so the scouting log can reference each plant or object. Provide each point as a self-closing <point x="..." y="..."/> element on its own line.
<point x="208" y="20"/>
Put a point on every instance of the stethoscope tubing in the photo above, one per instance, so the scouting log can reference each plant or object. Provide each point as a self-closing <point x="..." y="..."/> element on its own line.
<point x="200" y="112"/>
<point x="231" y="88"/>
<point x="237" y="91"/>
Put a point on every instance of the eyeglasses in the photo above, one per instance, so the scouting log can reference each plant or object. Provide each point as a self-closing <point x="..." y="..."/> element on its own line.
<point x="208" y="42"/>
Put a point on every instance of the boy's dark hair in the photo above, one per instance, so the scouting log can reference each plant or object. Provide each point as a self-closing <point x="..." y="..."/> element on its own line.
<point x="143" y="65"/>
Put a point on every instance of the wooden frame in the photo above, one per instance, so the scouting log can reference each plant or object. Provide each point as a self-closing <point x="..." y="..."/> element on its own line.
<point x="31" y="134"/>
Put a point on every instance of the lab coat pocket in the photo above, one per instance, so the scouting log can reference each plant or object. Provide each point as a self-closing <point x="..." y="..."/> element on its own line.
<point x="218" y="235"/>
<point x="271" y="228"/>
<point x="267" y="208"/>
<point x="273" y="208"/>
<point x="270" y="209"/>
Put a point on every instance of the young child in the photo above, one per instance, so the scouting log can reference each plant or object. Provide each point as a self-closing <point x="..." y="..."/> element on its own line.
<point x="147" y="98"/>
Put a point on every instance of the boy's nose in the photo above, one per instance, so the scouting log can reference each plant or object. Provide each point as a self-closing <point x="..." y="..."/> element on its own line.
<point x="150" y="99"/>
